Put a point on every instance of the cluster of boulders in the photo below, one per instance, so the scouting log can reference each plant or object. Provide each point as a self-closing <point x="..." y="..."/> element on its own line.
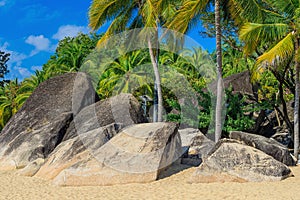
<point x="241" y="157"/>
<point x="65" y="134"/>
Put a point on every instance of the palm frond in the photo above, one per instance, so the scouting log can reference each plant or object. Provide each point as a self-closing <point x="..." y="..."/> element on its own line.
<point x="118" y="24"/>
<point x="189" y="10"/>
<point x="284" y="6"/>
<point x="253" y="34"/>
<point x="102" y="11"/>
<point x="281" y="51"/>
<point x="149" y="12"/>
<point x="252" y="10"/>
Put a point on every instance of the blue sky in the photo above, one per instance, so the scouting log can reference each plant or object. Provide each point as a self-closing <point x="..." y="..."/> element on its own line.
<point x="30" y="31"/>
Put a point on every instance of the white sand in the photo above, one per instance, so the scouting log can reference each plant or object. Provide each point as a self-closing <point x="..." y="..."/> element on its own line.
<point x="173" y="187"/>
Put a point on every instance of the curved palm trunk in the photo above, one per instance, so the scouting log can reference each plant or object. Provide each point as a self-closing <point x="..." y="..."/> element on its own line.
<point x="296" y="108"/>
<point x="157" y="116"/>
<point x="218" y="122"/>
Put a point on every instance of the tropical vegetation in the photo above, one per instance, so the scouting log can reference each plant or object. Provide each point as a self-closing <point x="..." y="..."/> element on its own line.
<point x="262" y="37"/>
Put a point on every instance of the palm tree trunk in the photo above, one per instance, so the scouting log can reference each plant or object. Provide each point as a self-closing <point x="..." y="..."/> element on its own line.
<point x="154" y="61"/>
<point x="218" y="122"/>
<point x="296" y="108"/>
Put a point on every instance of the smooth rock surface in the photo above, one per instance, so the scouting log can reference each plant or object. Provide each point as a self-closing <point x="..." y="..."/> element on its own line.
<point x="232" y="161"/>
<point x="76" y="149"/>
<point x="137" y="154"/>
<point x="120" y="109"/>
<point x="267" y="145"/>
<point x="40" y="125"/>
<point x="32" y="168"/>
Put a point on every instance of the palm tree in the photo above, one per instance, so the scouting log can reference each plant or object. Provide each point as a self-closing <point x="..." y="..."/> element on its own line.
<point x="186" y="16"/>
<point x="234" y="61"/>
<point x="195" y="65"/>
<point x="150" y="14"/>
<point x="218" y="122"/>
<point x="274" y="27"/>
<point x="122" y="75"/>
<point x="70" y="54"/>
<point x="9" y="103"/>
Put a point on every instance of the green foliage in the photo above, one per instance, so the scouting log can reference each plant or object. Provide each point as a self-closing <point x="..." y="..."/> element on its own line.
<point x="124" y="75"/>
<point x="238" y="113"/>
<point x="234" y="61"/>
<point x="201" y="120"/>
<point x="262" y="36"/>
<point x="10" y="101"/>
<point x="70" y="54"/>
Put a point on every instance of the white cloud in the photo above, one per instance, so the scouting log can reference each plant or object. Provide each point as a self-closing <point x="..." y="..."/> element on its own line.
<point x="15" y="62"/>
<point x="15" y="58"/>
<point x="34" y="68"/>
<point x="37" y="13"/>
<point x="4" y="46"/>
<point x="39" y="42"/>
<point x="2" y="3"/>
<point x="21" y="72"/>
<point x="69" y="31"/>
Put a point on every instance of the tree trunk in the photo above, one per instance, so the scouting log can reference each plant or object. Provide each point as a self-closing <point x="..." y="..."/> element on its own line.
<point x="296" y="108"/>
<point x="284" y="108"/>
<point x="218" y="122"/>
<point x="154" y="61"/>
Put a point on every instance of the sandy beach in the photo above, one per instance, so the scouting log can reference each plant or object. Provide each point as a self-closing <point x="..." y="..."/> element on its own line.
<point x="172" y="187"/>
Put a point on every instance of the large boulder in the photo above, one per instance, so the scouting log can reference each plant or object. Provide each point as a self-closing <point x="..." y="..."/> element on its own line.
<point x="195" y="145"/>
<point x="240" y="83"/>
<point x="73" y="150"/>
<point x="40" y="125"/>
<point x="121" y="109"/>
<point x="137" y="154"/>
<point x="201" y="145"/>
<point x="233" y="161"/>
<point x="92" y="127"/>
<point x="267" y="145"/>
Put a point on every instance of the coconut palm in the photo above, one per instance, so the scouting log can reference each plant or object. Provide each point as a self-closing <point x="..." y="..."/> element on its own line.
<point x="275" y="27"/>
<point x="9" y="104"/>
<point x="190" y="12"/>
<point x="123" y="75"/>
<point x="70" y="54"/>
<point x="122" y="14"/>
<point x="234" y="61"/>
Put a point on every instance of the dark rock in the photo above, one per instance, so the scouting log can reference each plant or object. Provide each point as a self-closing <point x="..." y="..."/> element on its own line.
<point x="267" y="145"/>
<point x="271" y="122"/>
<point x="121" y="109"/>
<point x="240" y="83"/>
<point x="283" y="137"/>
<point x="232" y="161"/>
<point x="40" y="125"/>
<point x="191" y="161"/>
<point x="137" y="154"/>
<point x="266" y="123"/>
